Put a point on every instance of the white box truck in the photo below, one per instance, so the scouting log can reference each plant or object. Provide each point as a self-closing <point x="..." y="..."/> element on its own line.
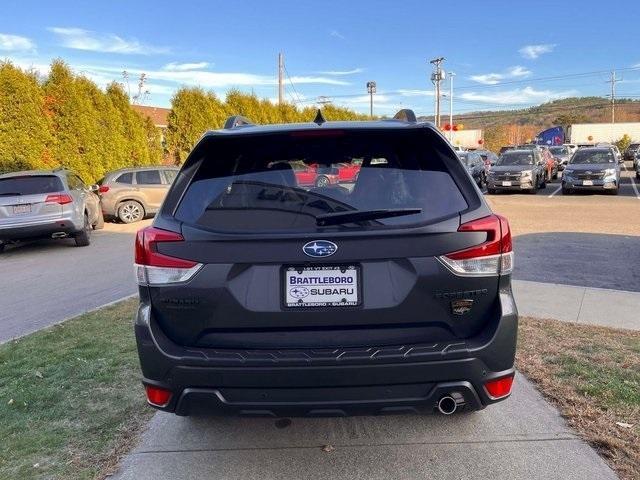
<point x="591" y="133"/>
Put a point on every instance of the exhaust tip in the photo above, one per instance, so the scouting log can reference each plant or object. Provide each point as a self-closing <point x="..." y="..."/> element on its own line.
<point x="447" y="405"/>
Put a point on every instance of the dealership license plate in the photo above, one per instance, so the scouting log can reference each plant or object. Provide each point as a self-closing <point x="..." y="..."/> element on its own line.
<point x="321" y="286"/>
<point x="587" y="182"/>
<point x="21" y="209"/>
<point x="506" y="184"/>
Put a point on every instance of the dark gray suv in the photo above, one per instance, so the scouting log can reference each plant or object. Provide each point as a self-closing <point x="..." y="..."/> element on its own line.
<point x="259" y="296"/>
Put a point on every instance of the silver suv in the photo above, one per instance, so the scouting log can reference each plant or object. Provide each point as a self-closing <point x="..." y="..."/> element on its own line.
<point x="131" y="194"/>
<point x="47" y="204"/>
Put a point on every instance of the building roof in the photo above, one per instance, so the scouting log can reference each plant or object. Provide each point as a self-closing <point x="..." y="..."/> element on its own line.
<point x="158" y="115"/>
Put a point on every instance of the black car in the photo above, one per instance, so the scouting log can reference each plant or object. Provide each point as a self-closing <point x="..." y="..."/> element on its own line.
<point x="630" y="152"/>
<point x="475" y="166"/>
<point x="262" y="297"/>
<point x="518" y="170"/>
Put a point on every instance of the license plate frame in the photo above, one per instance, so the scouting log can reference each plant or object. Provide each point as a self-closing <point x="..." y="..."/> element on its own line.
<point x="306" y="300"/>
<point x="22" y="209"/>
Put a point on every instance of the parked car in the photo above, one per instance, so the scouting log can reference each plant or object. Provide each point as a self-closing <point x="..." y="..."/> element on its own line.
<point x="315" y="175"/>
<point x="131" y="194"/>
<point x="475" y="166"/>
<point x="630" y="152"/>
<point x="47" y="204"/>
<point x="265" y="297"/>
<point x="520" y="170"/>
<point x="636" y="165"/>
<point x="562" y="154"/>
<point x="348" y="172"/>
<point x="489" y="158"/>
<point x="572" y="147"/>
<point x="594" y="168"/>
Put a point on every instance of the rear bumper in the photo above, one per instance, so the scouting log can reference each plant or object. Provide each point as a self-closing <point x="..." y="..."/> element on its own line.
<point x="410" y="378"/>
<point x="38" y="230"/>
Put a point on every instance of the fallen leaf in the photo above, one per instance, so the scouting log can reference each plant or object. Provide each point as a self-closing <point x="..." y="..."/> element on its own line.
<point x="10" y="402"/>
<point x="36" y="465"/>
<point x="38" y="374"/>
<point x="624" y="425"/>
<point x="328" y="448"/>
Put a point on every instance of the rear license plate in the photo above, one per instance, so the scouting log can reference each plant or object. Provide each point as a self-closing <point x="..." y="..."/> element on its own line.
<point x="20" y="209"/>
<point x="587" y="182"/>
<point x="322" y="286"/>
<point x="506" y="184"/>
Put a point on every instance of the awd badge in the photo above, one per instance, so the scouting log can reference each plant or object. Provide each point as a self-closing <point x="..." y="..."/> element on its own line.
<point x="460" y="307"/>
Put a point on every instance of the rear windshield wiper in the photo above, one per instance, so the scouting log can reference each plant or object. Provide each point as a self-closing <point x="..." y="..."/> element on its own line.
<point x="361" y="215"/>
<point x="10" y="194"/>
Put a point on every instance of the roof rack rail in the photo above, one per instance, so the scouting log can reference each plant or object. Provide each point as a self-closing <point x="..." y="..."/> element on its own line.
<point x="406" y="115"/>
<point x="236" y="121"/>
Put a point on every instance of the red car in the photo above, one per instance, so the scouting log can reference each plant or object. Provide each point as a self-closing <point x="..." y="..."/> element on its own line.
<point x="315" y="175"/>
<point x="348" y="172"/>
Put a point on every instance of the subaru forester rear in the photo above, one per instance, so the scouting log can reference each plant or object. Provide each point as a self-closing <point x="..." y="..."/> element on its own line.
<point x="259" y="296"/>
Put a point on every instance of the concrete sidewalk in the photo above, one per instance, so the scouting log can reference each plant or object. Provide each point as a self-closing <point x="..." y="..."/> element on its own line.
<point x="522" y="438"/>
<point x="592" y="306"/>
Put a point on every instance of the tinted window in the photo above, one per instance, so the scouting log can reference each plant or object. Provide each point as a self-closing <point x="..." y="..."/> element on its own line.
<point x="559" y="150"/>
<point x="516" y="158"/>
<point x="30" y="185"/>
<point x="284" y="183"/>
<point x="148" y="177"/>
<point x="126" y="178"/>
<point x="593" y="156"/>
<point x="170" y="175"/>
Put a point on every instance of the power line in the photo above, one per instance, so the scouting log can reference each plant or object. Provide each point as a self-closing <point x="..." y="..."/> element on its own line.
<point x="299" y="100"/>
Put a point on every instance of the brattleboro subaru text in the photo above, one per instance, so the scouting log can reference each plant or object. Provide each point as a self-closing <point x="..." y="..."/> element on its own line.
<point x="263" y="295"/>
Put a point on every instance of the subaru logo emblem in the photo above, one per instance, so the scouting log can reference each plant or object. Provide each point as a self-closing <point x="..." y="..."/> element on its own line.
<point x="320" y="248"/>
<point x="588" y="172"/>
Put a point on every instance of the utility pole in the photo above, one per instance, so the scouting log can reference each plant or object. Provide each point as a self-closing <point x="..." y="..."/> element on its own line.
<point x="436" y="77"/>
<point x="371" y="89"/>
<point x="280" y="78"/>
<point x="451" y="75"/>
<point x="613" y="81"/>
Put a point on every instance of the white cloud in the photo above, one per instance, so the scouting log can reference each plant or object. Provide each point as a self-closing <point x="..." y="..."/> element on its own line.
<point x="532" y="52"/>
<point x="336" y="34"/>
<point x="15" y="43"/>
<point x="495" y="78"/>
<point x="185" y="67"/>
<point x="80" y="39"/>
<point x="339" y="73"/>
<point x="518" y="96"/>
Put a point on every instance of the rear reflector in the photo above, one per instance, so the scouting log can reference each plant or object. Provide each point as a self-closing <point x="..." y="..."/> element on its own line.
<point x="492" y="257"/>
<point x="103" y="188"/>
<point x="499" y="388"/>
<point x="60" y="198"/>
<point x="155" y="268"/>
<point x="157" y="396"/>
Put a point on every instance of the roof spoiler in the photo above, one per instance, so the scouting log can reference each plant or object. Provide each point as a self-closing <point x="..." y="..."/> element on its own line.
<point x="406" y="115"/>
<point x="236" y="121"/>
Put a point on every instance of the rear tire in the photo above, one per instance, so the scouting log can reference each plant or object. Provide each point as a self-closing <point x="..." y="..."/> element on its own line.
<point x="2" y="245"/>
<point x="566" y="191"/>
<point x="83" y="238"/>
<point x="492" y="191"/>
<point x="543" y="184"/>
<point x="130" y="211"/>
<point x="614" y="192"/>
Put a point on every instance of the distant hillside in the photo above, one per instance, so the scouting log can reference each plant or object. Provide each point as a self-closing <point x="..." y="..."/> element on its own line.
<point x="563" y="112"/>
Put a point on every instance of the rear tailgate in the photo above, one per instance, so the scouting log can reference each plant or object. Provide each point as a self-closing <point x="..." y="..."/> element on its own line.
<point x="241" y="297"/>
<point x="23" y="200"/>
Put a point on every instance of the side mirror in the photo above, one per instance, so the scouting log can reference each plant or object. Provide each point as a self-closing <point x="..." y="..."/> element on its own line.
<point x="94" y="188"/>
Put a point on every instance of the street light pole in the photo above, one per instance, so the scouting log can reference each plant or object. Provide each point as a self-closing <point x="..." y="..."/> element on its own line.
<point x="436" y="77"/>
<point x="451" y="75"/>
<point x="371" y="89"/>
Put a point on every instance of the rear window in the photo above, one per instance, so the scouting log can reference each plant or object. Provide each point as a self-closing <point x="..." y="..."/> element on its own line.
<point x="125" y="178"/>
<point x="30" y="185"/>
<point x="289" y="183"/>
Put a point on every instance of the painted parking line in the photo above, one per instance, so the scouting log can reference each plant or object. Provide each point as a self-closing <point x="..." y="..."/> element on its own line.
<point x="555" y="191"/>
<point x="635" y="188"/>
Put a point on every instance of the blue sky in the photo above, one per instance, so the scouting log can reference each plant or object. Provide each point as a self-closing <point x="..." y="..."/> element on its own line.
<point x="503" y="53"/>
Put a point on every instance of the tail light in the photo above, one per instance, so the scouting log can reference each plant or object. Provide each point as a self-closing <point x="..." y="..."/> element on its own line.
<point x="103" y="189"/>
<point x="499" y="388"/>
<point x="492" y="257"/>
<point x="155" y="268"/>
<point x="60" y="198"/>
<point x="157" y="396"/>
